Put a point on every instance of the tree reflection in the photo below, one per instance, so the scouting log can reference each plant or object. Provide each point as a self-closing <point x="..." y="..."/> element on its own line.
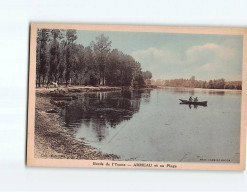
<point x="103" y="109"/>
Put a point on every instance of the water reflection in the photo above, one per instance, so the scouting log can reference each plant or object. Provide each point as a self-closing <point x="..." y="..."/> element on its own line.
<point x="102" y="110"/>
<point x="190" y="105"/>
<point x="180" y="90"/>
<point x="153" y="126"/>
<point x="216" y="93"/>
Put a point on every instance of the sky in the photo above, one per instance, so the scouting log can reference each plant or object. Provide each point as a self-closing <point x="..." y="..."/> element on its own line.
<point x="174" y="55"/>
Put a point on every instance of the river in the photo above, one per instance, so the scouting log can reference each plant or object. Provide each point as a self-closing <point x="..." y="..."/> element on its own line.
<point x="152" y="125"/>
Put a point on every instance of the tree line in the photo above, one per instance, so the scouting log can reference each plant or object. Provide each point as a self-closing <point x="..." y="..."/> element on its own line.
<point x="60" y="59"/>
<point x="193" y="83"/>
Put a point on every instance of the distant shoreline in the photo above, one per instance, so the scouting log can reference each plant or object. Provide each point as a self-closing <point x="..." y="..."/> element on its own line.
<point x="203" y="89"/>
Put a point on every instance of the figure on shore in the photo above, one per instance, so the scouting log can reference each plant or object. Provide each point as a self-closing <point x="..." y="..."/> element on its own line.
<point x="190" y="99"/>
<point x="55" y="84"/>
<point x="196" y="99"/>
<point x="48" y="86"/>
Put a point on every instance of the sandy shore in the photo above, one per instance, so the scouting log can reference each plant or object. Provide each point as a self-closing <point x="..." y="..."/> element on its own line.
<point x="51" y="138"/>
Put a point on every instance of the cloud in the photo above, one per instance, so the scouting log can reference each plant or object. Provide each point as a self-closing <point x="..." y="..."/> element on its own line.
<point x="156" y="55"/>
<point x="210" y="52"/>
<point x="206" y="61"/>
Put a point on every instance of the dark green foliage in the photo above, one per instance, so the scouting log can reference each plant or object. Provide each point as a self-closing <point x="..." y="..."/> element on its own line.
<point x="42" y="55"/>
<point x="55" y="55"/>
<point x="60" y="59"/>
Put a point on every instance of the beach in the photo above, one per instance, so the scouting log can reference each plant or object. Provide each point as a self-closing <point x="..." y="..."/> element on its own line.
<point x="51" y="139"/>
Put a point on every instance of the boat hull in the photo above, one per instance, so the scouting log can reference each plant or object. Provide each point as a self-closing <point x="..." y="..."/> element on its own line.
<point x="204" y="103"/>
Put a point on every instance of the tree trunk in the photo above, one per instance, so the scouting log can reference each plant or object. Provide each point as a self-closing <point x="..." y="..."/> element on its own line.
<point x="43" y="80"/>
<point x="99" y="77"/>
<point x="39" y="80"/>
<point x="49" y="78"/>
<point x="56" y="78"/>
<point x="39" y="62"/>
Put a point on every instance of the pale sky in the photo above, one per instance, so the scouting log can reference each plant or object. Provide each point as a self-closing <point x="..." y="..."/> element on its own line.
<point x="170" y="56"/>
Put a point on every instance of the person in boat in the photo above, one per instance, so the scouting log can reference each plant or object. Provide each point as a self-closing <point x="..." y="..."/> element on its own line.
<point x="190" y="99"/>
<point x="196" y="99"/>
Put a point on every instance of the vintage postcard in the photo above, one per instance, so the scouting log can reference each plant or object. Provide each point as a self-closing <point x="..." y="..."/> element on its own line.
<point x="144" y="97"/>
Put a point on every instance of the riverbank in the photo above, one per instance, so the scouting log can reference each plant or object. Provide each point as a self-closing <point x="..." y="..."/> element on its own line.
<point x="52" y="140"/>
<point x="74" y="89"/>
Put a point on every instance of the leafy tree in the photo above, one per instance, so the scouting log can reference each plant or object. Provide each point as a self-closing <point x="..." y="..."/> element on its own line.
<point x="113" y="68"/>
<point x="70" y="57"/>
<point x="147" y="75"/>
<point x="91" y="72"/>
<point x="79" y="69"/>
<point x="54" y="54"/>
<point x="101" y="48"/>
<point x="60" y="58"/>
<point x="43" y="36"/>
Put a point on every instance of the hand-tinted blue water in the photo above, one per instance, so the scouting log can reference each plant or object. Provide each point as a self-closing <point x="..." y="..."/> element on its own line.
<point x="152" y="125"/>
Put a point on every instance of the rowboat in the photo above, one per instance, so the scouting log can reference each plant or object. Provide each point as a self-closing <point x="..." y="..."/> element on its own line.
<point x="203" y="103"/>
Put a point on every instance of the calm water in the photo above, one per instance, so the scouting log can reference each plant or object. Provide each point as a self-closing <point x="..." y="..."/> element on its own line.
<point x="151" y="125"/>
